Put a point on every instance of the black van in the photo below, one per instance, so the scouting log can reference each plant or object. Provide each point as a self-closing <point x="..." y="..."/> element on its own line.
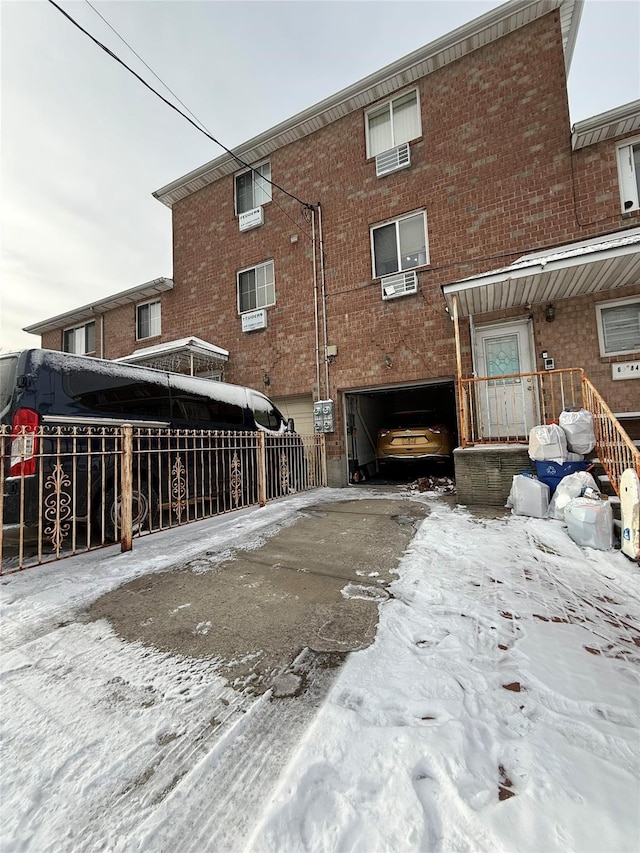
<point x="78" y="396"/>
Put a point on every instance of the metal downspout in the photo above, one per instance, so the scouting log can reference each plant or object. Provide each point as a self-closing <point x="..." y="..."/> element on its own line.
<point x="315" y="301"/>
<point x="324" y="302"/>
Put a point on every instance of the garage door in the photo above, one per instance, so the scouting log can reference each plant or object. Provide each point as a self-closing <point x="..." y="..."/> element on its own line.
<point x="300" y="408"/>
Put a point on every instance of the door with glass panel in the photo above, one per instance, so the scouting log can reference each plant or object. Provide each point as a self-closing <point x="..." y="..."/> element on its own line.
<point x="505" y="408"/>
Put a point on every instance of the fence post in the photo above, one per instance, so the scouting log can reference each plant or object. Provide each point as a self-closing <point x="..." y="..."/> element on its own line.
<point x="126" y="489"/>
<point x="323" y="458"/>
<point x="262" y="470"/>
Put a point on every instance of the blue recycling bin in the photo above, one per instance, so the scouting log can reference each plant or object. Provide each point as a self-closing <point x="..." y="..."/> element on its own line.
<point x="552" y="472"/>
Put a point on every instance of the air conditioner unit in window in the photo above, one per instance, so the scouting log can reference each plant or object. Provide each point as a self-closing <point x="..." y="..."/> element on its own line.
<point x="251" y="218"/>
<point x="395" y="158"/>
<point x="402" y="284"/>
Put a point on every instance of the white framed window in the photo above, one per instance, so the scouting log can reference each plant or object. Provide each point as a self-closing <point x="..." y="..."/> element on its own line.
<point x="148" y="320"/>
<point x="253" y="188"/>
<point x="629" y="174"/>
<point x="400" y="244"/>
<point x="619" y="326"/>
<point x="392" y="123"/>
<point x="256" y="287"/>
<point x="80" y="340"/>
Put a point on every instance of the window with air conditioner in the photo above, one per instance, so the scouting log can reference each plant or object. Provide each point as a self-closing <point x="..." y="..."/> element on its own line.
<point x="81" y="339"/>
<point x="256" y="287"/>
<point x="393" y="123"/>
<point x="399" y="245"/>
<point x="629" y="175"/>
<point x="253" y="188"/>
<point x="148" y="323"/>
<point x="619" y="326"/>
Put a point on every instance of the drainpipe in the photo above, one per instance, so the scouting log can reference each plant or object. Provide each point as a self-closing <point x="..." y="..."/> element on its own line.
<point x="315" y="301"/>
<point x="324" y="302"/>
<point x="102" y="336"/>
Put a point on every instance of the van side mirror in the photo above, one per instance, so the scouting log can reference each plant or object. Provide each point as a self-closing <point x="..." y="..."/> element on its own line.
<point x="290" y="425"/>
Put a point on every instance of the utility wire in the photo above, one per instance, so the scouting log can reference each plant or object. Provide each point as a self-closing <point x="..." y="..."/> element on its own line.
<point x="304" y="204"/>
<point x="191" y="113"/>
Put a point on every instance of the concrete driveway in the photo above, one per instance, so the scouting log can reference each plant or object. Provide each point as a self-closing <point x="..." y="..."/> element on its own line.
<point x="315" y="585"/>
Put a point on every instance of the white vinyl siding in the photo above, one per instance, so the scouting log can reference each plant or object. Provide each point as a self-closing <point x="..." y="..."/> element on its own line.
<point x="399" y="245"/>
<point x="619" y="327"/>
<point x="393" y="123"/>
<point x="256" y="287"/>
<point x="253" y="188"/>
<point x="81" y="339"/>
<point x="629" y="175"/>
<point x="148" y="320"/>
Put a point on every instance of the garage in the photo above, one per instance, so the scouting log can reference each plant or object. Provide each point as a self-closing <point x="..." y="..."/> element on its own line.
<point x="300" y="408"/>
<point x="370" y="410"/>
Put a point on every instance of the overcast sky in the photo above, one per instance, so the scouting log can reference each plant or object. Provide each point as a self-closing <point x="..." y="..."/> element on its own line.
<point x="84" y="144"/>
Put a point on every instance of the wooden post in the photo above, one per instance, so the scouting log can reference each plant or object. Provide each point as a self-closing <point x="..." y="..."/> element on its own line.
<point x="262" y="470"/>
<point x="462" y="403"/>
<point x="126" y="489"/>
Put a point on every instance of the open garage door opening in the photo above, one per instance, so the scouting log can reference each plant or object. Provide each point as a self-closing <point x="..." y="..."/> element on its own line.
<point x="401" y="433"/>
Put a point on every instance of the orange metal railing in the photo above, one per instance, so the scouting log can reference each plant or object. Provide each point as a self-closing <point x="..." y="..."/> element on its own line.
<point x="503" y="410"/>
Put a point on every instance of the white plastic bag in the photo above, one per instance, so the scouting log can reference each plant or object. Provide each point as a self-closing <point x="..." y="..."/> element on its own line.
<point x="528" y="496"/>
<point x="569" y="488"/>
<point x="590" y="523"/>
<point x="548" y="444"/>
<point x="578" y="428"/>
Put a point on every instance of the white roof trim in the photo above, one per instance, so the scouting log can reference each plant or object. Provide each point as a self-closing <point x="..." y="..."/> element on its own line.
<point x="614" y="123"/>
<point x="194" y="345"/>
<point x="487" y="28"/>
<point x="89" y="312"/>
<point x="603" y="263"/>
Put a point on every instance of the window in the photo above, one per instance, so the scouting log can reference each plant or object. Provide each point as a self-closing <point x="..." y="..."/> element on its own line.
<point x="399" y="245"/>
<point x="629" y="175"/>
<point x="148" y="320"/>
<point x="256" y="288"/>
<point x="393" y="123"/>
<point x="619" y="326"/>
<point x="252" y="188"/>
<point x="81" y="339"/>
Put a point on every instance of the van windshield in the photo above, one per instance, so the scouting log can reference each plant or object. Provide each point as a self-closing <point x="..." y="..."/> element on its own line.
<point x="8" y="368"/>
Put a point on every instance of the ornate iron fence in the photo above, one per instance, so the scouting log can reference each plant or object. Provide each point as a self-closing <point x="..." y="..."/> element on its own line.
<point x="67" y="490"/>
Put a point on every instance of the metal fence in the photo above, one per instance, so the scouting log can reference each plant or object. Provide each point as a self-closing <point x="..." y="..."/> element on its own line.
<point x="68" y="490"/>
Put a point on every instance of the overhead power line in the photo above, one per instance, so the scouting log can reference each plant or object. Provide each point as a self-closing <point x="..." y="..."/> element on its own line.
<point x="305" y="205"/>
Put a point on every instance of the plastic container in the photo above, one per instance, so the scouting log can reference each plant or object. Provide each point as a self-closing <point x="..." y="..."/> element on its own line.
<point x="552" y="472"/>
<point x="528" y="496"/>
<point x="590" y="523"/>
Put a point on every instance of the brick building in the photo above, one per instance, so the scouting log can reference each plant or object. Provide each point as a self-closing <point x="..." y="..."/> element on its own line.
<point x="451" y="176"/>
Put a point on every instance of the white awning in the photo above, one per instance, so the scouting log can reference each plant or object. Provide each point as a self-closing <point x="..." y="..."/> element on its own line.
<point x="192" y="356"/>
<point x="604" y="263"/>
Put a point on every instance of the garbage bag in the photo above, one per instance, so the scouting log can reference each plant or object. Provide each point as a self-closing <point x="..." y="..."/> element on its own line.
<point x="548" y="443"/>
<point x="578" y="428"/>
<point x="569" y="488"/>
<point x="528" y="496"/>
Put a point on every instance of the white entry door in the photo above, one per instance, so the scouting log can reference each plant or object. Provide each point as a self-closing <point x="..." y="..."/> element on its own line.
<point x="506" y="408"/>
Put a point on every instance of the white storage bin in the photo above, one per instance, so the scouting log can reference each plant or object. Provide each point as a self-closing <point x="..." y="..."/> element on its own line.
<point x="528" y="496"/>
<point x="590" y="523"/>
<point x="548" y="443"/>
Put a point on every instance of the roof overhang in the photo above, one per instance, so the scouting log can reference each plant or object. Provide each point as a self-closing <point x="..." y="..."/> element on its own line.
<point x="487" y="28"/>
<point x="186" y="355"/>
<point x="614" y="123"/>
<point x="576" y="269"/>
<point x="148" y="290"/>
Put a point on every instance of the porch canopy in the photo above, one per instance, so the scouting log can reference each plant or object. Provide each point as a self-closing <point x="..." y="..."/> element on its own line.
<point x="192" y="356"/>
<point x="603" y="263"/>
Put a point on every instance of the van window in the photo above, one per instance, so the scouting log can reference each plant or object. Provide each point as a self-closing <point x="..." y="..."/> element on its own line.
<point x="206" y="412"/>
<point x="265" y="413"/>
<point x="122" y="395"/>
<point x="8" y="368"/>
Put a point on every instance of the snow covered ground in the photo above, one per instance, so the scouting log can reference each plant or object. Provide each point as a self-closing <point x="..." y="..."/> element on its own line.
<point x="497" y="709"/>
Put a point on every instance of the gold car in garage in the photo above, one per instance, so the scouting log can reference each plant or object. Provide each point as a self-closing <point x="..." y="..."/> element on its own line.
<point x="413" y="436"/>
